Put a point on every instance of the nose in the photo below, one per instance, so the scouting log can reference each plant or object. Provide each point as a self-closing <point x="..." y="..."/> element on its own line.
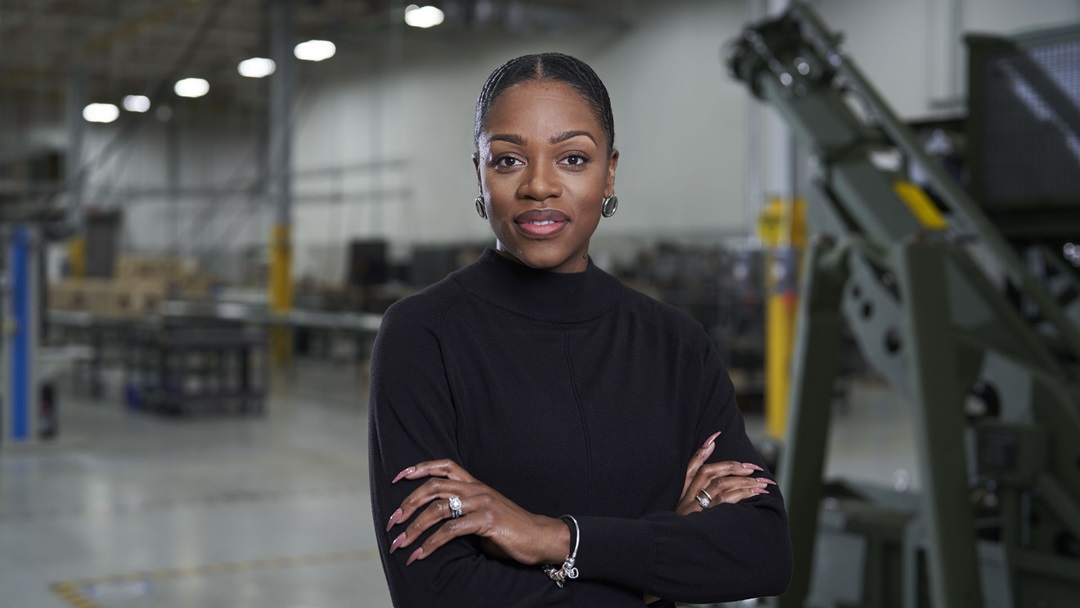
<point x="540" y="182"/>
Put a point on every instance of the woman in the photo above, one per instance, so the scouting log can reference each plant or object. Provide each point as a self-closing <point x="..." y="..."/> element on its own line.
<point x="532" y="385"/>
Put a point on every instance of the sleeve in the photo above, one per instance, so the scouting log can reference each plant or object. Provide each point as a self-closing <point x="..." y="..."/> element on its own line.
<point x="412" y="419"/>
<point x="724" y="553"/>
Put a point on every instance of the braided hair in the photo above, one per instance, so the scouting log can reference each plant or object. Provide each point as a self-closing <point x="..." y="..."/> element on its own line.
<point x="547" y="66"/>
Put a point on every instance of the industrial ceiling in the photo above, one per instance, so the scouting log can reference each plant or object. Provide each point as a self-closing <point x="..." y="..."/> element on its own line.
<point x="131" y="46"/>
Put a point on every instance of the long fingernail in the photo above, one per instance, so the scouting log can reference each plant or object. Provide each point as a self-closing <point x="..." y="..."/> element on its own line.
<point x="405" y="473"/>
<point x="766" y="480"/>
<point x="397" y="541"/>
<point x="759" y="490"/>
<point x="393" y="520"/>
<point x="750" y="465"/>
<point x="711" y="439"/>
<point x="415" y="555"/>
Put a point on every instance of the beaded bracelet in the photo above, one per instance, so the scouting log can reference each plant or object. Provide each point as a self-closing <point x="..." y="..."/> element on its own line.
<point x="559" y="575"/>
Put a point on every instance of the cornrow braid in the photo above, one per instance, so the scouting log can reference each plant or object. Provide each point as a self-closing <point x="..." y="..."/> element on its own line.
<point x="547" y="66"/>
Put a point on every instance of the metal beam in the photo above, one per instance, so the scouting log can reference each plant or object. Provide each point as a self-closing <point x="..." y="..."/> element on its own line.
<point x="282" y="94"/>
<point x="74" y="176"/>
<point x="939" y="425"/>
<point x="815" y="366"/>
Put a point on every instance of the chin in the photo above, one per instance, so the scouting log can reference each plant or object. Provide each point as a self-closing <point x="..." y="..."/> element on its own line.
<point x="543" y="259"/>
<point x="554" y="254"/>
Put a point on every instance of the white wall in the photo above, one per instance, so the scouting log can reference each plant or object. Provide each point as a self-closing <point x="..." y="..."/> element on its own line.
<point x="396" y="117"/>
<point x="678" y="122"/>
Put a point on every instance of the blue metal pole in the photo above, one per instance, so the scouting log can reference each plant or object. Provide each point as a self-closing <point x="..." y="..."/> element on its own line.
<point x="21" y="395"/>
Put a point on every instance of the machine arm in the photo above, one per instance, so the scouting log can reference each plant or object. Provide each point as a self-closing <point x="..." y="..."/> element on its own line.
<point x="919" y="285"/>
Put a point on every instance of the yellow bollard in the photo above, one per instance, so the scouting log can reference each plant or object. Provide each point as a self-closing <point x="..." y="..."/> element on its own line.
<point x="782" y="228"/>
<point x="281" y="295"/>
<point x="76" y="250"/>
<point x="779" y="333"/>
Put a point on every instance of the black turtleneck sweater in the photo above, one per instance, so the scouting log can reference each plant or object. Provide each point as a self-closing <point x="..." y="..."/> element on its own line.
<point x="567" y="393"/>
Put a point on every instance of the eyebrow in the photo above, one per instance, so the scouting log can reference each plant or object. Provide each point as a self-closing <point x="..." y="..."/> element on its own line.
<point x="514" y="139"/>
<point x="570" y="135"/>
<point x="520" y="141"/>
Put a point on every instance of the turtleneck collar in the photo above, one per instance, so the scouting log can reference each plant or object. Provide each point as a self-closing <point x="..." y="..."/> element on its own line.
<point x="540" y="294"/>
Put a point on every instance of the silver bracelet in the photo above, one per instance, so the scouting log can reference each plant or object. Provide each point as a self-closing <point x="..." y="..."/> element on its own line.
<point x="567" y="571"/>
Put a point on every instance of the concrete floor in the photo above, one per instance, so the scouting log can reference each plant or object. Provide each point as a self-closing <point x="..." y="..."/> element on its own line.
<point x="129" y="509"/>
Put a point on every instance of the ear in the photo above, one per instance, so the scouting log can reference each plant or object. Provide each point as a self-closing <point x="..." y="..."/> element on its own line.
<point x="476" y="166"/>
<point x="613" y="161"/>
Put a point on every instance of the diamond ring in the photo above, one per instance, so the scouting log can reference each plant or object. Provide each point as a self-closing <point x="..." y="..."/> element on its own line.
<point x="705" y="500"/>
<point x="455" y="507"/>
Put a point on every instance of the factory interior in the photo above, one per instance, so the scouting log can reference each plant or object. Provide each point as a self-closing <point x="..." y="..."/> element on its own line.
<point x="207" y="206"/>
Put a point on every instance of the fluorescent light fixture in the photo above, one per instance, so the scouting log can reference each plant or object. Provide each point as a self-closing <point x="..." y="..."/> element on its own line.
<point x="136" y="103"/>
<point x="100" y="112"/>
<point x="192" y="87"/>
<point x="315" y="50"/>
<point x="423" y="16"/>
<point x="256" y="67"/>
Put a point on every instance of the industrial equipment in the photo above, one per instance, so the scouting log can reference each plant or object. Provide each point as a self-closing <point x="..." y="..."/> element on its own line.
<point x="922" y="285"/>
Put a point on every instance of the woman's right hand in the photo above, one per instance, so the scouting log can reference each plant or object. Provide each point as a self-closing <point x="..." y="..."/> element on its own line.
<point x="727" y="481"/>
<point x="505" y="529"/>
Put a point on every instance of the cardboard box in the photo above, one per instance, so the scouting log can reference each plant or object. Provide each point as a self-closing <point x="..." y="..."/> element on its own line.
<point x="137" y="266"/>
<point x="133" y="297"/>
<point x="108" y="297"/>
<point x="82" y="295"/>
<point x="192" y="286"/>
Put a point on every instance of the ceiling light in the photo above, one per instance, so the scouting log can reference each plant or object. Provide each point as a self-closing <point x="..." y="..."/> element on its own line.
<point x="136" y="103"/>
<point x="256" y="67"/>
<point x="192" y="87"/>
<point x="423" y="16"/>
<point x="315" y="50"/>
<point x="100" y="112"/>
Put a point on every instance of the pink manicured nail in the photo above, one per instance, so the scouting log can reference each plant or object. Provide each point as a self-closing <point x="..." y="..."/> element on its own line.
<point x="711" y="439"/>
<point x="415" y="556"/>
<point x="403" y="474"/>
<point x="397" y="541"/>
<point x="393" y="520"/>
<point x="753" y="466"/>
<point x="764" y="480"/>
<point x="759" y="491"/>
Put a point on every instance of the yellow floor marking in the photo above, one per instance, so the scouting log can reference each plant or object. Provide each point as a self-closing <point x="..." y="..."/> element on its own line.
<point x="72" y="591"/>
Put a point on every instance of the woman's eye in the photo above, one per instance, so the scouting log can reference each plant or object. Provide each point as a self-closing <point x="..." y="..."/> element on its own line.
<point x="506" y="162"/>
<point x="574" y="160"/>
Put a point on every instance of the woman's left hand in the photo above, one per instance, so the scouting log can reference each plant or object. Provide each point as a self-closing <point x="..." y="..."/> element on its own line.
<point x="721" y="482"/>
<point x="507" y="530"/>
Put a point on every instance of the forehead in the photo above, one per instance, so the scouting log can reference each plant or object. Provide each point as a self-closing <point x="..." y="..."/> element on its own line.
<point x="542" y="108"/>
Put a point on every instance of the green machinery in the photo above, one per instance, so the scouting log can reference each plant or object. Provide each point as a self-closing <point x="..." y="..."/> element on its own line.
<point x="921" y="285"/>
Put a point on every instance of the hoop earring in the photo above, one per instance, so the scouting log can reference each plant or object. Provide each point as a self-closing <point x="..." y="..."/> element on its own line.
<point x="609" y="206"/>
<point x="480" y="208"/>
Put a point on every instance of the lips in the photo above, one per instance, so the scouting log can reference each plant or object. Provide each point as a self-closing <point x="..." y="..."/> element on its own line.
<point x="541" y="223"/>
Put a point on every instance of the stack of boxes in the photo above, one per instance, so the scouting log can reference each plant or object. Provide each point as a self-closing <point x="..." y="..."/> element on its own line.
<point x="140" y="284"/>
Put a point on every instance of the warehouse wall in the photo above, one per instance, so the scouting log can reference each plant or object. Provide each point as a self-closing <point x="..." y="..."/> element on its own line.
<point x="679" y="126"/>
<point x="383" y="135"/>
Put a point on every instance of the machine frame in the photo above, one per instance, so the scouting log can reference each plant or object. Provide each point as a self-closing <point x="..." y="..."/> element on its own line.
<point x="920" y="284"/>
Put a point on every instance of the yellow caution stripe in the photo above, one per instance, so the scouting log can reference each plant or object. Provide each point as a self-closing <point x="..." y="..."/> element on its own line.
<point x="920" y="205"/>
<point x="72" y="595"/>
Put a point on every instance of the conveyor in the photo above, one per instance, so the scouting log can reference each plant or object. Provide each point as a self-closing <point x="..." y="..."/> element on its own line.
<point x="921" y="285"/>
